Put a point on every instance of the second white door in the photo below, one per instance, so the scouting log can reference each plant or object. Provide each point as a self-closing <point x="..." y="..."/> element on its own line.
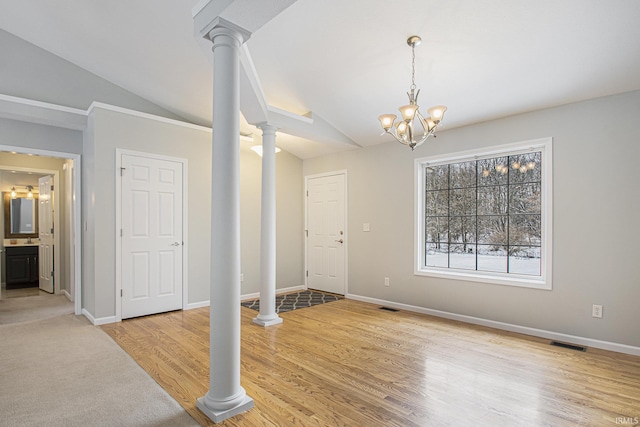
<point x="326" y="233"/>
<point x="45" y="234"/>
<point x="152" y="241"/>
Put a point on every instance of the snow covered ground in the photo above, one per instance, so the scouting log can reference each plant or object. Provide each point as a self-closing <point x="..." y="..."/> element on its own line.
<point x="493" y="263"/>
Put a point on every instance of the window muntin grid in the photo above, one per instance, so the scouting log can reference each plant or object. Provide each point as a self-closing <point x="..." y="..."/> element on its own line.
<point x="485" y="215"/>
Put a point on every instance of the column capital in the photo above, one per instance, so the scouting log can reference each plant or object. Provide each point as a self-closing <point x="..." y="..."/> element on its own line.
<point x="267" y="129"/>
<point x="221" y="27"/>
<point x="207" y="16"/>
<point x="250" y="15"/>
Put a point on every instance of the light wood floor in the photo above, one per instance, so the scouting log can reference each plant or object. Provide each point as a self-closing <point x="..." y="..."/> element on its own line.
<point x="348" y="363"/>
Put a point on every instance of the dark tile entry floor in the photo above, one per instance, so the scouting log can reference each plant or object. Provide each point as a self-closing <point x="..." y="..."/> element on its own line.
<point x="293" y="301"/>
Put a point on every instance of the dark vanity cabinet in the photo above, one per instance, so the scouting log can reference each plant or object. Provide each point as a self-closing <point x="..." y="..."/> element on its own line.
<point x="21" y="266"/>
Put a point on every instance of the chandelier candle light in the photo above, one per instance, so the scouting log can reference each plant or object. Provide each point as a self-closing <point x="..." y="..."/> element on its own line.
<point x="404" y="131"/>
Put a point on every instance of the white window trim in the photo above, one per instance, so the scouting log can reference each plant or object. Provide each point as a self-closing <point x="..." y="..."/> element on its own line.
<point x="545" y="280"/>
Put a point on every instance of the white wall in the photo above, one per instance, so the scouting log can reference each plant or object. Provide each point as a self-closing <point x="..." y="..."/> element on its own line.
<point x="289" y="218"/>
<point x="35" y="73"/>
<point x="108" y="130"/>
<point x="17" y="133"/>
<point x="596" y="209"/>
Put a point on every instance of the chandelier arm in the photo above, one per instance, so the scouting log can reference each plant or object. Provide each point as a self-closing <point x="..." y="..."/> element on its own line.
<point x="401" y="141"/>
<point x="410" y="132"/>
<point x="423" y="123"/>
<point x="423" y="139"/>
<point x="426" y="131"/>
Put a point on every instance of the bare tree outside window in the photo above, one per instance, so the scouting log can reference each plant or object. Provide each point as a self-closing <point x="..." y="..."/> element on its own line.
<point x="485" y="215"/>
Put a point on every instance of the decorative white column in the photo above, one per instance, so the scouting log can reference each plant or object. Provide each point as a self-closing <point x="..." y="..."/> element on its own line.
<point x="268" y="315"/>
<point x="225" y="397"/>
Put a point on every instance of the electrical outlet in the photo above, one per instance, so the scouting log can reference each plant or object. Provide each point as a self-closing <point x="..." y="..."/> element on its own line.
<point x="386" y="281"/>
<point x="596" y="311"/>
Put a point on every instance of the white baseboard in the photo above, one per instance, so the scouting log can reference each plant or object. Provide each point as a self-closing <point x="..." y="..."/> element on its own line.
<point x="290" y="289"/>
<point x="99" y="321"/>
<point x="193" y="305"/>
<point x="67" y="294"/>
<point x="541" y="333"/>
<point x="244" y="297"/>
<point x="190" y="306"/>
<point x="256" y="295"/>
<point x="88" y="315"/>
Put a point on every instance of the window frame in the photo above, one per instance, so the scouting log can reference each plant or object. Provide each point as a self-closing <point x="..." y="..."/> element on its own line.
<point x="544" y="281"/>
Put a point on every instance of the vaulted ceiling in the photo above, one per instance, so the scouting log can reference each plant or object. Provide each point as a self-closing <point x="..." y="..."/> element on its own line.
<point x="347" y="61"/>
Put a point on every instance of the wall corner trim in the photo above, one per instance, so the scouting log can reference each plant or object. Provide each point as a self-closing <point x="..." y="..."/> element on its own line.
<point x="99" y="105"/>
<point x="44" y="113"/>
<point x="99" y="321"/>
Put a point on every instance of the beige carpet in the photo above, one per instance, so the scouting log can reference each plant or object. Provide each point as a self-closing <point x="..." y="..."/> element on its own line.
<point x="32" y="308"/>
<point x="63" y="371"/>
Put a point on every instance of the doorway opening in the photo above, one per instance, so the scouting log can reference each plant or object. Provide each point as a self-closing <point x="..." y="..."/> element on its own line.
<point x="33" y="253"/>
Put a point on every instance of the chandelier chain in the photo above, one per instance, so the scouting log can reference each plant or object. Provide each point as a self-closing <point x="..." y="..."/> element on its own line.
<point x="413" y="67"/>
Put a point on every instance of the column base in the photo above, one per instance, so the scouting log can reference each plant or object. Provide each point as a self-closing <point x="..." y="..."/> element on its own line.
<point x="267" y="322"/>
<point x="219" y="416"/>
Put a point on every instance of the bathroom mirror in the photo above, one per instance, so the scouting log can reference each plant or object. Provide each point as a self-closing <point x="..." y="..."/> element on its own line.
<point x="20" y="216"/>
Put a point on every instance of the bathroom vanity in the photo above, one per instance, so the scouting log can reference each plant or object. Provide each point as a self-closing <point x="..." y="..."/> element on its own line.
<point x="21" y="266"/>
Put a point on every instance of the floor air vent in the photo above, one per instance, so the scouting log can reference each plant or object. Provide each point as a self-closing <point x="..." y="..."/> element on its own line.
<point x="569" y="346"/>
<point x="389" y="309"/>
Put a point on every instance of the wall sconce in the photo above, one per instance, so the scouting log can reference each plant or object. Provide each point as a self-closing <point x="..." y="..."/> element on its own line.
<point x="13" y="192"/>
<point x="29" y="192"/>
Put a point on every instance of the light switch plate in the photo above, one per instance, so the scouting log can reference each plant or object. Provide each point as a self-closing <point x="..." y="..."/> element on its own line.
<point x="366" y="227"/>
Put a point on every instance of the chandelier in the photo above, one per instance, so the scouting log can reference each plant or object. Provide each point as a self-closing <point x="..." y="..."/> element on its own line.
<point x="405" y="131"/>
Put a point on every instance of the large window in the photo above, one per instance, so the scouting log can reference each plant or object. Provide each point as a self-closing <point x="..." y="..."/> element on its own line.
<point x="484" y="215"/>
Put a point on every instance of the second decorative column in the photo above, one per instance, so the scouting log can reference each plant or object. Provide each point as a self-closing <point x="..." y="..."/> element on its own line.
<point x="268" y="315"/>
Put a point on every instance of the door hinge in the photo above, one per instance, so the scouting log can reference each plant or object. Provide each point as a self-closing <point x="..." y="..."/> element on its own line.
<point x="307" y="193"/>
<point x="122" y="171"/>
<point x="52" y="188"/>
<point x="120" y="293"/>
<point x="121" y="232"/>
<point x="307" y="273"/>
<point x="306" y="232"/>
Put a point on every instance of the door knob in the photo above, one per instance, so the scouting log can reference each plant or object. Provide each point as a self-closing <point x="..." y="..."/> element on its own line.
<point x="175" y="244"/>
<point x="340" y="241"/>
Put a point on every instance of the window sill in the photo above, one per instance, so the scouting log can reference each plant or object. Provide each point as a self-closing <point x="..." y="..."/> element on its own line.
<point x="511" y="280"/>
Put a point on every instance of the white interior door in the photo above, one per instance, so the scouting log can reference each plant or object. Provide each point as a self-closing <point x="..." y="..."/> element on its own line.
<point x="326" y="233"/>
<point x="45" y="233"/>
<point x="152" y="242"/>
